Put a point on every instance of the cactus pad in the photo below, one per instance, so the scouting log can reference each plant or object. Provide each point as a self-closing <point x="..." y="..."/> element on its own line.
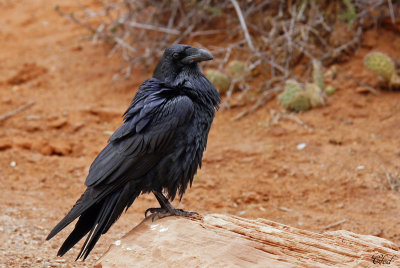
<point x="329" y="90"/>
<point x="300" y="102"/>
<point x="294" y="97"/>
<point x="380" y="64"/>
<point x="236" y="68"/>
<point x="292" y="87"/>
<point x="314" y="94"/>
<point x="221" y="81"/>
<point x="318" y="77"/>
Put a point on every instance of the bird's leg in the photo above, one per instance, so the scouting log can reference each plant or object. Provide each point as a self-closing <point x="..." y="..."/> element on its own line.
<point x="154" y="210"/>
<point x="166" y="208"/>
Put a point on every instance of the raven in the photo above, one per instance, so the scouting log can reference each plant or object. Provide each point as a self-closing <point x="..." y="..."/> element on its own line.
<point x="157" y="149"/>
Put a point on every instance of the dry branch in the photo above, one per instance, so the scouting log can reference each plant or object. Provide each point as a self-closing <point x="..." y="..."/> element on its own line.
<point x="16" y="111"/>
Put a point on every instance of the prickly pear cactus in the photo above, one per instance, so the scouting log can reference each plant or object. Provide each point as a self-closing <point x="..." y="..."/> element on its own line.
<point x="315" y="95"/>
<point x="292" y="87"/>
<point x="300" y="102"/>
<point x="219" y="80"/>
<point x="380" y="64"/>
<point x="294" y="97"/>
<point x="236" y="68"/>
<point x="318" y="77"/>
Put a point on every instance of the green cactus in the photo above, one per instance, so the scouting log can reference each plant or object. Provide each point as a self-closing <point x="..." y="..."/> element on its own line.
<point x="380" y="64"/>
<point x="329" y="90"/>
<point x="300" y="102"/>
<point x="350" y="14"/>
<point x="236" y="68"/>
<point x="294" y="97"/>
<point x="318" y="77"/>
<point x="221" y="81"/>
<point x="315" y="95"/>
<point x="292" y="87"/>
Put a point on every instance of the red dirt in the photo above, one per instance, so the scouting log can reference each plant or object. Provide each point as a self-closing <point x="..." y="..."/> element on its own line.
<point x="251" y="167"/>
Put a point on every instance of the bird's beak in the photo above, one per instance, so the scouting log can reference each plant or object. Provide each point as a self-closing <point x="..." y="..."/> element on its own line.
<point x="197" y="55"/>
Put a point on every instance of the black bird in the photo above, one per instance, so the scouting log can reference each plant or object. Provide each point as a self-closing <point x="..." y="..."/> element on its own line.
<point x="157" y="149"/>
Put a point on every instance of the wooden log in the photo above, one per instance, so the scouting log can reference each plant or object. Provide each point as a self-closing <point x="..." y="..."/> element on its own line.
<point x="218" y="240"/>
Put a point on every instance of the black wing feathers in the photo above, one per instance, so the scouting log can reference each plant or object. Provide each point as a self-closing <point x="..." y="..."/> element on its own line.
<point x="144" y="131"/>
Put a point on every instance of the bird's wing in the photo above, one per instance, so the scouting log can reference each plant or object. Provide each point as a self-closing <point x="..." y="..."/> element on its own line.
<point x="150" y="124"/>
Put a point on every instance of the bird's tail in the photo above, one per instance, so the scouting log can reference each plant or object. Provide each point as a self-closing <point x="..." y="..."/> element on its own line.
<point x="95" y="218"/>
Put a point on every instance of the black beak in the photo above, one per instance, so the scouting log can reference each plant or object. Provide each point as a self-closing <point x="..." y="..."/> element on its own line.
<point x="197" y="55"/>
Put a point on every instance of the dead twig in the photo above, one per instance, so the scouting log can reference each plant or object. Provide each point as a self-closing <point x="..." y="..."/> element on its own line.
<point x="391" y="12"/>
<point x="262" y="100"/>
<point x="243" y="24"/>
<point x="297" y="120"/>
<point x="16" y="111"/>
<point x="152" y="28"/>
<point x="370" y="89"/>
<point x="275" y="117"/>
<point x="335" y="224"/>
<point x="392" y="179"/>
<point x="282" y="208"/>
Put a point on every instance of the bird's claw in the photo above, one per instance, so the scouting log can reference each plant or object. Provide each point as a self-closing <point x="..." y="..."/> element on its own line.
<point x="152" y="210"/>
<point x="164" y="212"/>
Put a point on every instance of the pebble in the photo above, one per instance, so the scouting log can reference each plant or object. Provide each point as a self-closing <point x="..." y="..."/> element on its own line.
<point x="33" y="117"/>
<point x="301" y="146"/>
<point x="359" y="168"/>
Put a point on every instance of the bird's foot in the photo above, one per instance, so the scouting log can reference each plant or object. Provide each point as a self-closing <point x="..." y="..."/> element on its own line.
<point x="169" y="211"/>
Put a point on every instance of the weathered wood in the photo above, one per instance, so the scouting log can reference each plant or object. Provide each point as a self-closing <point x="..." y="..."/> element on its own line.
<point x="227" y="241"/>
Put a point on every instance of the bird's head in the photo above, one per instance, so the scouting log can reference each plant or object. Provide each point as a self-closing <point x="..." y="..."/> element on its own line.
<point x="179" y="57"/>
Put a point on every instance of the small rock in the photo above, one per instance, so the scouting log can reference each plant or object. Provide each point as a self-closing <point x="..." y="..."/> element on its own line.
<point x="13" y="164"/>
<point x="359" y="168"/>
<point x="301" y="146"/>
<point x="60" y="147"/>
<point x="76" y="127"/>
<point x="43" y="148"/>
<point x="108" y="132"/>
<point x="58" y="123"/>
<point x="33" y="125"/>
<point x="33" y="117"/>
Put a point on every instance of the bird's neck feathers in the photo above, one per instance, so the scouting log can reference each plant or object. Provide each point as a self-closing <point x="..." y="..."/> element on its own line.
<point x="165" y="72"/>
<point x="193" y="82"/>
<point x="190" y="81"/>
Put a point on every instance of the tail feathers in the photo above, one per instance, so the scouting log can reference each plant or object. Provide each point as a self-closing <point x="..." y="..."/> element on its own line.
<point x="98" y="226"/>
<point x="96" y="219"/>
<point x="80" y="206"/>
<point x="126" y="198"/>
<point x="82" y="227"/>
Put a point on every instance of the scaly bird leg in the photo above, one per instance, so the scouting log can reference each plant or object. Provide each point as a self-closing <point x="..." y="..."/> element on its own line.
<point x="166" y="208"/>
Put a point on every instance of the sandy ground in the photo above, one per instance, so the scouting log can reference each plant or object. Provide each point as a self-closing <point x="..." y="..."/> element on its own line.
<point x="251" y="168"/>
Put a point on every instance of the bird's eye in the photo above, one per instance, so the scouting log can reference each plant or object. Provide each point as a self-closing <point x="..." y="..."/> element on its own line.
<point x="175" y="55"/>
